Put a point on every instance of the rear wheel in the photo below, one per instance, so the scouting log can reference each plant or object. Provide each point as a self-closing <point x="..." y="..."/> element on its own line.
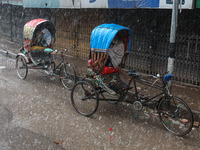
<point x="175" y="115"/>
<point x="68" y="76"/>
<point x="21" y="67"/>
<point x="84" y="98"/>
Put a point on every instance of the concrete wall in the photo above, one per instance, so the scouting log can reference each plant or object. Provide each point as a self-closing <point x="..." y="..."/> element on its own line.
<point x="13" y="18"/>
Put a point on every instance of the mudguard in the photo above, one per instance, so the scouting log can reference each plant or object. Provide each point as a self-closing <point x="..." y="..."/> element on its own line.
<point x="23" y="55"/>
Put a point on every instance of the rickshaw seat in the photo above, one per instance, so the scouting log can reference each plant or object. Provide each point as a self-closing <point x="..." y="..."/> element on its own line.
<point x="35" y="48"/>
<point x="108" y="70"/>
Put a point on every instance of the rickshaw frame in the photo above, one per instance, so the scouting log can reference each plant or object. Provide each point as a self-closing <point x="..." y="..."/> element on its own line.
<point x="88" y="92"/>
<point x="63" y="69"/>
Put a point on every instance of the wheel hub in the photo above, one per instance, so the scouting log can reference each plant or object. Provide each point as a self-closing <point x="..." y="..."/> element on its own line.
<point x="137" y="105"/>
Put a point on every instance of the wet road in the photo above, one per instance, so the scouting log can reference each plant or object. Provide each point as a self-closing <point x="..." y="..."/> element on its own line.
<point x="42" y="106"/>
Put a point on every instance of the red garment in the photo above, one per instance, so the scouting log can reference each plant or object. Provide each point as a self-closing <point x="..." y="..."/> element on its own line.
<point x="106" y="69"/>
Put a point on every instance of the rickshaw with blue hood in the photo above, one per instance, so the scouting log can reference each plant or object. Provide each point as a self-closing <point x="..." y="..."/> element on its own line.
<point x="108" y="48"/>
<point x="37" y="53"/>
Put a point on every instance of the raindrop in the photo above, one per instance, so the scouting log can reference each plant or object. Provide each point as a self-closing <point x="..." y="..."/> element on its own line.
<point x="2" y="67"/>
<point x="112" y="133"/>
<point x="100" y="117"/>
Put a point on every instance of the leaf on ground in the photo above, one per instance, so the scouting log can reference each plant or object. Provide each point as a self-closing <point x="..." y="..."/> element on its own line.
<point x="196" y="124"/>
<point x="58" y="142"/>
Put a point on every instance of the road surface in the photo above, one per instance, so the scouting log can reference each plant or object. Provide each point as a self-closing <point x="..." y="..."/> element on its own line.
<point x="37" y="111"/>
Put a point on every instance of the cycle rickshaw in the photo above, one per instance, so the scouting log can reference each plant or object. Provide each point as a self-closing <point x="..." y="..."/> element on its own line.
<point x="38" y="53"/>
<point x="108" y="48"/>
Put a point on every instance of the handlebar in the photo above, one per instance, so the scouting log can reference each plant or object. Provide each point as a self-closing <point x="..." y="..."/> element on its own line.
<point x="165" y="78"/>
<point x="60" y="51"/>
<point x="64" y="50"/>
<point x="156" y="77"/>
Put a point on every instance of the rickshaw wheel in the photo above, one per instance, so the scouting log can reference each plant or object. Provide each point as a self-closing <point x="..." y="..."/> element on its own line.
<point x="84" y="98"/>
<point x="69" y="76"/>
<point x="175" y="115"/>
<point x="21" y="67"/>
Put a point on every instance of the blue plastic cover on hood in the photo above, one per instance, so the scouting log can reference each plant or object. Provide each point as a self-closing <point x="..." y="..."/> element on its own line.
<point x="103" y="35"/>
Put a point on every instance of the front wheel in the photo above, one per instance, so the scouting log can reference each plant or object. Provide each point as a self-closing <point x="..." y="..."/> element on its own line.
<point x="21" y="67"/>
<point x="175" y="115"/>
<point x="84" y="98"/>
<point x="68" y="76"/>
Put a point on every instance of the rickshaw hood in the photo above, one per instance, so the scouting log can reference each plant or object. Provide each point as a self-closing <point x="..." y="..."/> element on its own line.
<point x="103" y="35"/>
<point x="30" y="26"/>
<point x="29" y="29"/>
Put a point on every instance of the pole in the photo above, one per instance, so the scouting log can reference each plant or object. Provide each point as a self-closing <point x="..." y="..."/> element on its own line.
<point x="172" y="45"/>
<point x="11" y="25"/>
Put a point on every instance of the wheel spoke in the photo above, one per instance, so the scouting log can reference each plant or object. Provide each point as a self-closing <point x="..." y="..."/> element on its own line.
<point x="84" y="98"/>
<point x="21" y="67"/>
<point x="68" y="77"/>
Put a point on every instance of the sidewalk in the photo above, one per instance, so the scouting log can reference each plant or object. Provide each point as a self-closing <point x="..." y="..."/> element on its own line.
<point x="189" y="93"/>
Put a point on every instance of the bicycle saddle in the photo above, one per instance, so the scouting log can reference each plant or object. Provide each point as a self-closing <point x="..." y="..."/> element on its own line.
<point x="48" y="50"/>
<point x="133" y="73"/>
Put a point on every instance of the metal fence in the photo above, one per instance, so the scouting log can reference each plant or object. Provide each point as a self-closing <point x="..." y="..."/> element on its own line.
<point x="150" y="45"/>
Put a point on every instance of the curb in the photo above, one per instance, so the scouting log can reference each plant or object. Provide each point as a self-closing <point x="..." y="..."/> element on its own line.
<point x="7" y="53"/>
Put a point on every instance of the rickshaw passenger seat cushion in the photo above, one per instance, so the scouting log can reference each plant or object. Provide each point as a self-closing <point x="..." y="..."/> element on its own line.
<point x="35" y="48"/>
<point x="108" y="70"/>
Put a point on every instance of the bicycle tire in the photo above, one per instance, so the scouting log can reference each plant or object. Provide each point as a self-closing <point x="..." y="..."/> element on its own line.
<point x="175" y="115"/>
<point x="84" y="98"/>
<point x="69" y="78"/>
<point x="21" y="67"/>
